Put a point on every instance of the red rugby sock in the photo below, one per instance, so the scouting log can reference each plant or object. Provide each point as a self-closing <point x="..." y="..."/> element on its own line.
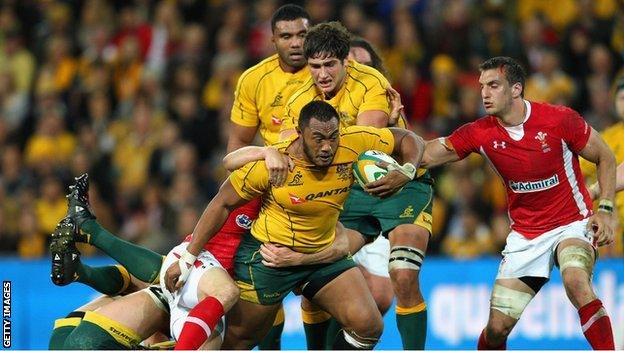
<point x="483" y="344"/>
<point x="199" y="324"/>
<point x="596" y="326"/>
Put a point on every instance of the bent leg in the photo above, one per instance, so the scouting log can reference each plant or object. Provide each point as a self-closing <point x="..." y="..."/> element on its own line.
<point x="358" y="314"/>
<point x="509" y="299"/>
<point x="576" y="262"/>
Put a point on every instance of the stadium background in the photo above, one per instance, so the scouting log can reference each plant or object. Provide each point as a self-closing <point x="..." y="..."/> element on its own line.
<point x="138" y="93"/>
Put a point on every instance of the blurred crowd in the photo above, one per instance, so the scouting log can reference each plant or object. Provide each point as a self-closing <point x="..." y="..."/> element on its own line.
<point x="138" y="94"/>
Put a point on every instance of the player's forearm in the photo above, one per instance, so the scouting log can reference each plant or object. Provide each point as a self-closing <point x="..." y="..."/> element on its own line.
<point x="237" y="159"/>
<point x="209" y="223"/>
<point x="437" y="153"/>
<point x="347" y="242"/>
<point x="412" y="148"/>
<point x="606" y="174"/>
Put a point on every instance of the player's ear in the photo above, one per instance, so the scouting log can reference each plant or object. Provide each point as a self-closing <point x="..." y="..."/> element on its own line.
<point x="516" y="90"/>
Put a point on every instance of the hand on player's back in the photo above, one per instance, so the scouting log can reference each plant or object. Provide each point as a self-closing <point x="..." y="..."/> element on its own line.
<point x="278" y="165"/>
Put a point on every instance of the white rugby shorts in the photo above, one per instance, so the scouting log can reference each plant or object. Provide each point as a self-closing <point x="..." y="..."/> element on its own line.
<point x="183" y="300"/>
<point x="374" y="257"/>
<point x="536" y="257"/>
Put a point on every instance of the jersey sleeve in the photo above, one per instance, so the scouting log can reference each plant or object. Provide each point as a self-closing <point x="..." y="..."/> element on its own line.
<point x="244" y="111"/>
<point x="463" y="140"/>
<point x="375" y="97"/>
<point x="361" y="138"/>
<point x="251" y="180"/>
<point x="575" y="131"/>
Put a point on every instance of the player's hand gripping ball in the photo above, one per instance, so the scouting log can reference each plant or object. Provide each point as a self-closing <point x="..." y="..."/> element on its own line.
<point x="366" y="170"/>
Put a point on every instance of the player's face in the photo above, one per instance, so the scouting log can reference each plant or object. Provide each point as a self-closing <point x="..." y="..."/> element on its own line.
<point x="320" y="141"/>
<point x="288" y="38"/>
<point x="328" y="73"/>
<point x="496" y="92"/>
<point x="360" y="55"/>
<point x="619" y="103"/>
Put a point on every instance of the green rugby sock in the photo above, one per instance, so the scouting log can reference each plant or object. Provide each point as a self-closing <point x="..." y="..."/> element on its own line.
<point x="333" y="331"/>
<point x="108" y="280"/>
<point x="412" y="325"/>
<point x="139" y="261"/>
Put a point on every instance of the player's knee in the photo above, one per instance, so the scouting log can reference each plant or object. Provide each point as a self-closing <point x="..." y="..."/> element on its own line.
<point x="383" y="298"/>
<point x="497" y="332"/>
<point x="405" y="281"/>
<point x="366" y="322"/>
<point x="224" y="290"/>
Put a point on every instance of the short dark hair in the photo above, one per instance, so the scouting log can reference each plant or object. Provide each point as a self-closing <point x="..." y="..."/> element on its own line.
<point x="318" y="109"/>
<point x="327" y="39"/>
<point x="376" y="62"/>
<point x="514" y="72"/>
<point x="288" y="12"/>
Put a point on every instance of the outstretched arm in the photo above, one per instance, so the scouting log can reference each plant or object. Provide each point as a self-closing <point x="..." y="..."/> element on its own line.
<point x="209" y="223"/>
<point x="438" y="152"/>
<point x="277" y="164"/>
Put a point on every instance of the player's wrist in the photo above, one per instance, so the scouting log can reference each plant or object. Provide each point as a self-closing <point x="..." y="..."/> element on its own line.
<point x="605" y="205"/>
<point x="188" y="258"/>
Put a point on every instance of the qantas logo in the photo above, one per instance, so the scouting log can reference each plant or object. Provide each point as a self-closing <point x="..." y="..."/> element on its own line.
<point x="295" y="200"/>
<point x="538" y="185"/>
<point x="327" y="193"/>
<point x="276" y="121"/>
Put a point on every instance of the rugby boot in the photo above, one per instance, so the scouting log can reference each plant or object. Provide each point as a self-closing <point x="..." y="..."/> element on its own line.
<point x="65" y="255"/>
<point x="79" y="209"/>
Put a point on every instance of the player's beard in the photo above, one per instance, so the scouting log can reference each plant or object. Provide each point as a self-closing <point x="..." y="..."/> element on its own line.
<point x="312" y="158"/>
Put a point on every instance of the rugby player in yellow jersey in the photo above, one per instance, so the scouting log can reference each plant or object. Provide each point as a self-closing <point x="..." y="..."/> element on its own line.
<point x="614" y="137"/>
<point x="358" y="92"/>
<point x="260" y="96"/>
<point x="302" y="215"/>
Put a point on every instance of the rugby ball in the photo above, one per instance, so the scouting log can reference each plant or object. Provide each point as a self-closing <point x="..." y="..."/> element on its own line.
<point x="365" y="170"/>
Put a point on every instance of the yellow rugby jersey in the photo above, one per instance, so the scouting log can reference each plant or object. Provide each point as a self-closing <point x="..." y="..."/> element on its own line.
<point x="302" y="214"/>
<point x="364" y="89"/>
<point x="260" y="96"/>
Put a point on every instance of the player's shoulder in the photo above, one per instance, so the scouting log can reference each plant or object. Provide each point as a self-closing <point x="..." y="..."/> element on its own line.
<point x="359" y="130"/>
<point x="551" y="111"/>
<point x="366" y="74"/>
<point x="306" y="93"/>
<point x="259" y="70"/>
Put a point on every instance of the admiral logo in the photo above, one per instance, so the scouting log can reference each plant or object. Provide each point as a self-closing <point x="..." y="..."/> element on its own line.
<point x="243" y="221"/>
<point x="538" y="185"/>
<point x="327" y="193"/>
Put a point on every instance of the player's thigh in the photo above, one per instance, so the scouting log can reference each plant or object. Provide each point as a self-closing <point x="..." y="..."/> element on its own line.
<point x="138" y="311"/>
<point x="216" y="282"/>
<point x="247" y="323"/>
<point x="347" y="298"/>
